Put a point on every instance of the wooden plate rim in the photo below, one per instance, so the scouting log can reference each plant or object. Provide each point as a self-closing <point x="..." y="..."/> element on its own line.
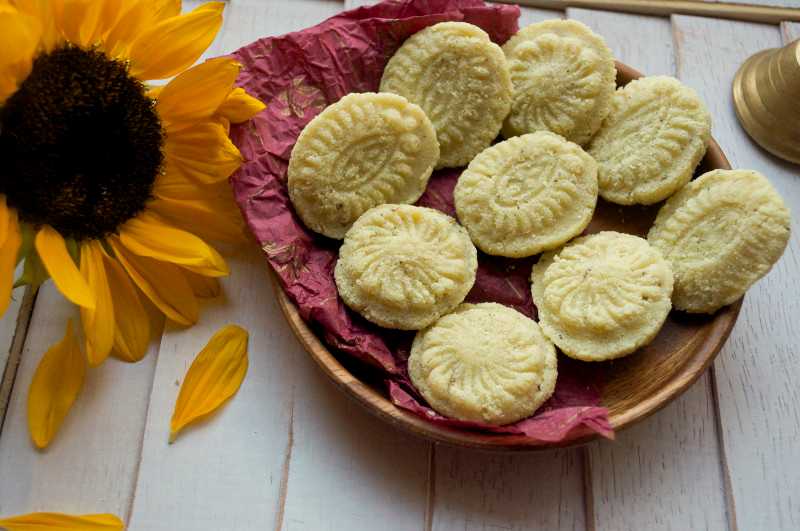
<point x="380" y="405"/>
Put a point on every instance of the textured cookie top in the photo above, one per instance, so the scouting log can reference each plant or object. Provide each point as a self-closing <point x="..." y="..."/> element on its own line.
<point x="603" y="295"/>
<point x="460" y="79"/>
<point x="721" y="233"/>
<point x="652" y="140"/>
<point x="528" y="194"/>
<point x="403" y="266"/>
<point x="563" y="76"/>
<point x="485" y="363"/>
<point x="362" y="151"/>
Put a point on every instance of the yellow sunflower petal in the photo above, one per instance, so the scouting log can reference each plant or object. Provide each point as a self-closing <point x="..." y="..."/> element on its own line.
<point x="59" y="264"/>
<point x="196" y="93"/>
<point x="20" y="34"/>
<point x="202" y="152"/>
<point x="135" y="16"/>
<point x="98" y="322"/>
<point x="147" y="235"/>
<point x="173" y="44"/>
<point x="162" y="283"/>
<point x="240" y="106"/>
<point x="5" y="214"/>
<point x="55" y="386"/>
<point x="132" y="324"/>
<point x="61" y="522"/>
<point x="80" y="20"/>
<point x="8" y="259"/>
<point x="212" y="220"/>
<point x="173" y="185"/>
<point x="214" y="376"/>
<point x="46" y="12"/>
<point x="203" y="287"/>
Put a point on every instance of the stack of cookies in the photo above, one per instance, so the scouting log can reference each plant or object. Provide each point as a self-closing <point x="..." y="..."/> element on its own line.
<point x="570" y="136"/>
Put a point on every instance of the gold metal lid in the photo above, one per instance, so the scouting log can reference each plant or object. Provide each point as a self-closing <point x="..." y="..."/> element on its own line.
<point x="766" y="94"/>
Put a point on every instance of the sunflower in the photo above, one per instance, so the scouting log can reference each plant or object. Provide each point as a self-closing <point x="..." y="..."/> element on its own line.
<point x="109" y="185"/>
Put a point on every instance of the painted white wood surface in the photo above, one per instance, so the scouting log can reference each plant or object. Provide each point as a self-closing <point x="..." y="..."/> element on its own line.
<point x="758" y="369"/>
<point x="8" y="324"/>
<point x="289" y="451"/>
<point x="640" y="481"/>
<point x="92" y="465"/>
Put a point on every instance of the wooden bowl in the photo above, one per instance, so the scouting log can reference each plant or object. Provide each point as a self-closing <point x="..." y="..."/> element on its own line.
<point x="636" y="386"/>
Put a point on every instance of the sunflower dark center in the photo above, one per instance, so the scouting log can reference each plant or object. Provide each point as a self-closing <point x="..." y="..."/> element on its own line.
<point x="80" y="144"/>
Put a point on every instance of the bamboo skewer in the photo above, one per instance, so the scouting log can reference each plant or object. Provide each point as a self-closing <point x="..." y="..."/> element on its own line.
<point x="747" y="12"/>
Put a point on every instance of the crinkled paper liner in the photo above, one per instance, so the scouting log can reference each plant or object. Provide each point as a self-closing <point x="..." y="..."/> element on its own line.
<point x="299" y="74"/>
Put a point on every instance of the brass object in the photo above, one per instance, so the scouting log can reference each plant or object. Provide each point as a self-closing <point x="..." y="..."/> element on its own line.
<point x="765" y="94"/>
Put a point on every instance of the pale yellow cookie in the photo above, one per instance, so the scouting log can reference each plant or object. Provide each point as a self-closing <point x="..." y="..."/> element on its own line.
<point x="484" y="363"/>
<point x="364" y="150"/>
<point x="652" y="140"/>
<point x="563" y="76"/>
<point x="404" y="266"/>
<point x="602" y="296"/>
<point x="528" y="194"/>
<point x="460" y="79"/>
<point x="721" y="233"/>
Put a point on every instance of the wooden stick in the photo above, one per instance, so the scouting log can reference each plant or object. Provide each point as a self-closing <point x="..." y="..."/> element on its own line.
<point x="751" y="13"/>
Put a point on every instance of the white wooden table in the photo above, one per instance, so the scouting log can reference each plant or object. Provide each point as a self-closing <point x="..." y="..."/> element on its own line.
<point x="291" y="452"/>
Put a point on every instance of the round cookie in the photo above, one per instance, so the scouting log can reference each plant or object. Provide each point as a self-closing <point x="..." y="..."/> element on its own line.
<point x="602" y="296"/>
<point x="652" y="140"/>
<point x="460" y="79"/>
<point x="404" y="266"/>
<point x="364" y="150"/>
<point x="484" y="363"/>
<point x="721" y="233"/>
<point x="563" y="76"/>
<point x="527" y="194"/>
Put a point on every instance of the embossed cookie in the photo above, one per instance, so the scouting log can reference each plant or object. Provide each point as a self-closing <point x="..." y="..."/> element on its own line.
<point x="362" y="151"/>
<point x="528" y="194"/>
<point x="651" y="141"/>
<point x="460" y="79"/>
<point x="404" y="266"/>
<point x="602" y="296"/>
<point x="563" y="76"/>
<point x="484" y="363"/>
<point x="721" y="233"/>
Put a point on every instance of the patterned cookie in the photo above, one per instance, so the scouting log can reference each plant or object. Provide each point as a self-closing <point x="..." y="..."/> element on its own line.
<point x="484" y="363"/>
<point x="362" y="151"/>
<point x="460" y="79"/>
<point x="563" y="76"/>
<point x="403" y="266"/>
<point x="651" y="142"/>
<point x="721" y="233"/>
<point x="528" y="194"/>
<point x="602" y="296"/>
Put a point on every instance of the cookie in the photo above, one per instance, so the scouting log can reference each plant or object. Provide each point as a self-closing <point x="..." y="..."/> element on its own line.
<point x="364" y="150"/>
<point x="721" y="233"/>
<point x="527" y="194"/>
<point x="484" y="363"/>
<point x="404" y="266"/>
<point x="460" y="79"/>
<point x="652" y="140"/>
<point x="602" y="296"/>
<point x="563" y="76"/>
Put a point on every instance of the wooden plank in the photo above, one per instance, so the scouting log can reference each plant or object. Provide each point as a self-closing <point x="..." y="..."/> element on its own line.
<point x="663" y="473"/>
<point x="91" y="465"/>
<point x="13" y="330"/>
<point x="757" y="371"/>
<point x="8" y="325"/>
<point x="514" y="492"/>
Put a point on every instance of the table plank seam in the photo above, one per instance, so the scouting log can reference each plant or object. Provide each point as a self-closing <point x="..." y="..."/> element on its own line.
<point x="9" y="375"/>
<point x="588" y="489"/>
<point x="140" y="454"/>
<point x="430" y="495"/>
<point x="287" y="461"/>
<point x="730" y="505"/>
